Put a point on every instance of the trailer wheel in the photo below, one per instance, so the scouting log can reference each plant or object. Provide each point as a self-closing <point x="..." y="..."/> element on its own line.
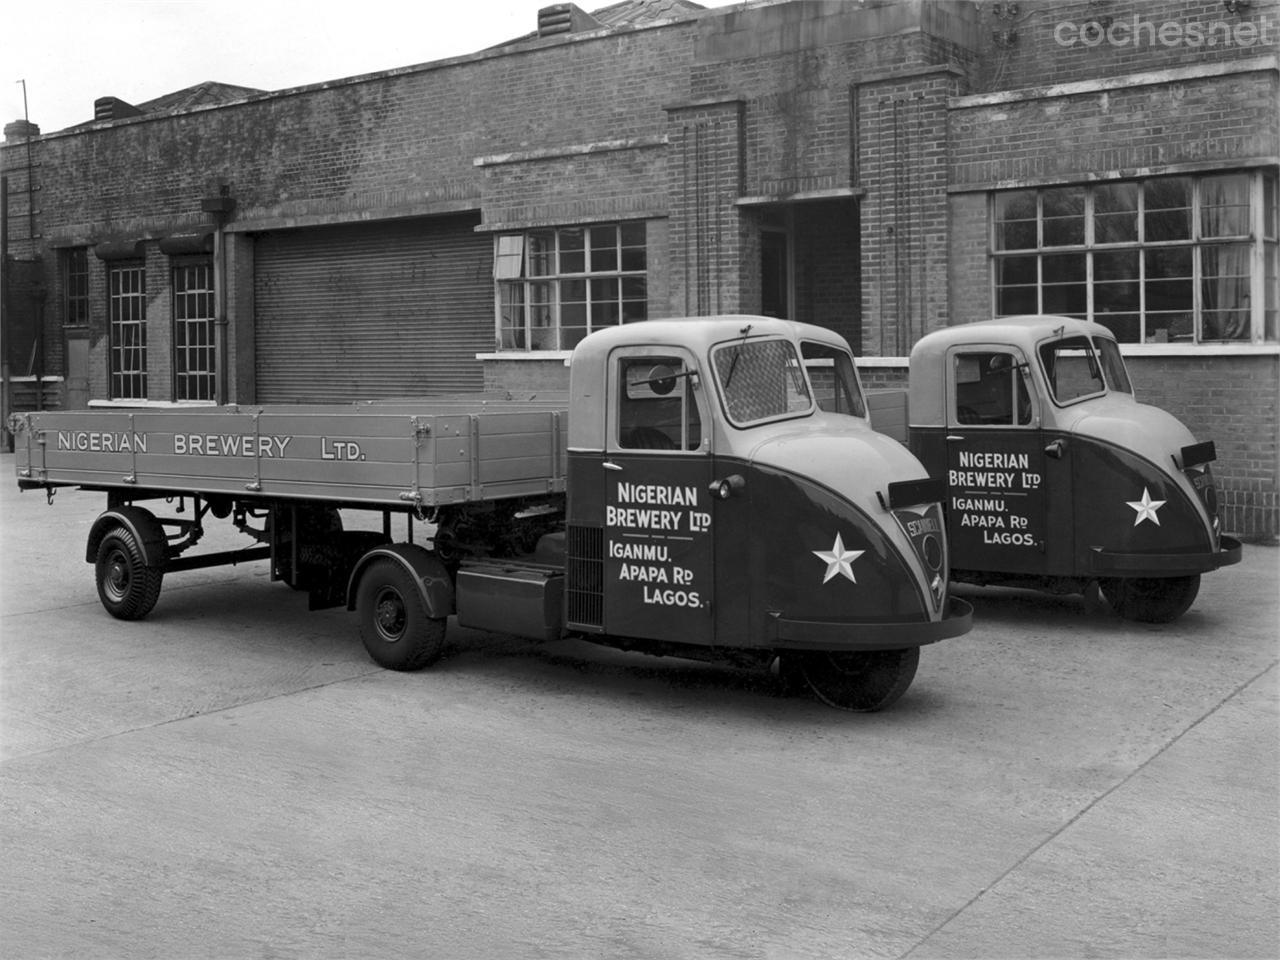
<point x="1151" y="599"/>
<point x="396" y="629"/>
<point x="127" y="587"/>
<point x="864" y="681"/>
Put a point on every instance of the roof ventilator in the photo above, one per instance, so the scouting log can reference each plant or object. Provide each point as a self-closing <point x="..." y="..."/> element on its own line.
<point x="113" y="108"/>
<point x="565" y="18"/>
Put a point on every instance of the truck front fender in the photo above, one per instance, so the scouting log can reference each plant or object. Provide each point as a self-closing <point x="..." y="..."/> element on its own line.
<point x="144" y="527"/>
<point x="435" y="585"/>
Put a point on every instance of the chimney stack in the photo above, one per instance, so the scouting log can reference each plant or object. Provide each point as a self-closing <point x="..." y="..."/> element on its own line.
<point x="20" y="130"/>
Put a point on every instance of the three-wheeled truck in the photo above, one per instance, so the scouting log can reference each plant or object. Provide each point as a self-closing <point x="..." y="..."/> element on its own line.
<point x="1056" y="477"/>
<point x="710" y="489"/>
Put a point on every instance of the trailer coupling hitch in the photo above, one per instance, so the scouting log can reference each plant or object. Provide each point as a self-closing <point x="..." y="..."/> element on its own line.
<point x="415" y="497"/>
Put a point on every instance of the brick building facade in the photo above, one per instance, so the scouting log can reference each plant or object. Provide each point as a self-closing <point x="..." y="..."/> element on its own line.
<point x="880" y="168"/>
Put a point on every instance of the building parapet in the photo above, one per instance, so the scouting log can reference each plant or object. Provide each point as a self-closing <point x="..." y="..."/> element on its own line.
<point x="1101" y="84"/>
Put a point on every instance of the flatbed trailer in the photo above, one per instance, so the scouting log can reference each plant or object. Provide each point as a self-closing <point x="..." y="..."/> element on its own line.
<point x="397" y="456"/>
<point x="697" y="503"/>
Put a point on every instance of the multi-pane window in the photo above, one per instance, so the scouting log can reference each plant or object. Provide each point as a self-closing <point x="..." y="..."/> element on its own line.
<point x="75" y="286"/>
<point x="193" y="330"/>
<point x="556" y="285"/>
<point x="1168" y="259"/>
<point x="127" y="313"/>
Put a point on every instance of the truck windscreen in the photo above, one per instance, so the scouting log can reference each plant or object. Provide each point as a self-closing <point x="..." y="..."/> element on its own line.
<point x="760" y="380"/>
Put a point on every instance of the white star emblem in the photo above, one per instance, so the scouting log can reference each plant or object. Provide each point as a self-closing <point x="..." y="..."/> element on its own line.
<point x="1146" y="508"/>
<point x="839" y="561"/>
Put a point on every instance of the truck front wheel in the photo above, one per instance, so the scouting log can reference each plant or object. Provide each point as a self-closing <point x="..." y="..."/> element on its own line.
<point x="127" y="587"/>
<point x="396" y="629"/>
<point x="863" y="681"/>
<point x="1151" y="599"/>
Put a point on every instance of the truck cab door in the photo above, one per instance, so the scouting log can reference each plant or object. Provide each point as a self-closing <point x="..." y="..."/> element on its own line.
<point x="996" y="496"/>
<point x="658" y="548"/>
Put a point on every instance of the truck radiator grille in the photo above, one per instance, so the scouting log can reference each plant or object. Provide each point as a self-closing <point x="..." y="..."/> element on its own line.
<point x="584" y="575"/>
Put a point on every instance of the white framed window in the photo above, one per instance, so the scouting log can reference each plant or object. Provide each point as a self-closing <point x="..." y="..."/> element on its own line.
<point x="75" y="286"/>
<point x="555" y="285"/>
<point x="1188" y="259"/>
<point x="127" y="313"/>
<point x="194" y="353"/>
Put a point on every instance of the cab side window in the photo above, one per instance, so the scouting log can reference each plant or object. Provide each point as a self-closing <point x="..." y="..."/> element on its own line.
<point x="834" y="379"/>
<point x="1071" y="367"/>
<point x="656" y="407"/>
<point x="990" y="389"/>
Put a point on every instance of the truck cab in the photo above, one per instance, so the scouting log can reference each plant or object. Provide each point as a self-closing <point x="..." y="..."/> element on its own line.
<point x="726" y="490"/>
<point x="1056" y="476"/>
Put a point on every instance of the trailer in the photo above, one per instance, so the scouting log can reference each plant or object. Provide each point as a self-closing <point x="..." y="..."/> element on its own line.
<point x="709" y="488"/>
<point x="1056" y="478"/>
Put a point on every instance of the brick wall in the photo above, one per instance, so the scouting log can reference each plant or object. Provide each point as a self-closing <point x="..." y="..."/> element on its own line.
<point x="879" y="377"/>
<point x="401" y="140"/>
<point x="968" y="264"/>
<point x="902" y="165"/>
<point x="1034" y="44"/>
<point x="526" y="376"/>
<point x="837" y="96"/>
<point x="704" y="178"/>
<point x="1235" y="402"/>
<point x="608" y="183"/>
<point x="1211" y="120"/>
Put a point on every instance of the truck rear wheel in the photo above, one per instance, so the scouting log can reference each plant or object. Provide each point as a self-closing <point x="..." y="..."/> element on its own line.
<point x="1151" y="599"/>
<point x="395" y="627"/>
<point x="127" y="587"/>
<point x="862" y="682"/>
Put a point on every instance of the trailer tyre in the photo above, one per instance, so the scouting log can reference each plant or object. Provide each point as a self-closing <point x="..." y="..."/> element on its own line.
<point x="127" y="586"/>
<point x="864" y="681"/>
<point x="396" y="629"/>
<point x="1151" y="599"/>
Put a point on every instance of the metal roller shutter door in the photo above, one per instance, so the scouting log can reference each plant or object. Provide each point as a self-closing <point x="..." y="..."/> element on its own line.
<point x="394" y="309"/>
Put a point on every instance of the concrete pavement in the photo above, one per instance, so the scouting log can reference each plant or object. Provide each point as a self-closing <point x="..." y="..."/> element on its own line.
<point x="232" y="778"/>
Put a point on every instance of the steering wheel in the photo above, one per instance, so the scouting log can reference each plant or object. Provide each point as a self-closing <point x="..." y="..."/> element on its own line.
<point x="648" y="438"/>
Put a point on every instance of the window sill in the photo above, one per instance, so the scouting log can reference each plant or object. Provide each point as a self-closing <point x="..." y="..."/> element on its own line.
<point x="1200" y="349"/>
<point x="563" y="355"/>
<point x="154" y="404"/>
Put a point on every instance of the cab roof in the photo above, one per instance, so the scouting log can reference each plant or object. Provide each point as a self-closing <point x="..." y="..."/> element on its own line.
<point x="588" y="364"/>
<point x="928" y="380"/>
<point x="697" y="333"/>
<point x="1026" y="331"/>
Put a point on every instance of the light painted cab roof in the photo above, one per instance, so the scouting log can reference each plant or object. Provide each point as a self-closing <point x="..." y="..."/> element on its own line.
<point x="928" y="387"/>
<point x="1025" y="331"/>
<point x="588" y="364"/>
<point x="696" y="333"/>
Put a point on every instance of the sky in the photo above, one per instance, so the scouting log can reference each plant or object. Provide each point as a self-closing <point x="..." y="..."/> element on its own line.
<point x="71" y="52"/>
